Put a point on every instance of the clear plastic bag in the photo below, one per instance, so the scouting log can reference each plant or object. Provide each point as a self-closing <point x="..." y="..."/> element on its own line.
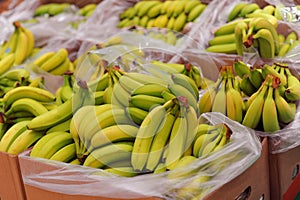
<point x="222" y="166"/>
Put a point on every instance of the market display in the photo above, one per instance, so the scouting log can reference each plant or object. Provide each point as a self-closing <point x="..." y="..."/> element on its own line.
<point x="136" y="107"/>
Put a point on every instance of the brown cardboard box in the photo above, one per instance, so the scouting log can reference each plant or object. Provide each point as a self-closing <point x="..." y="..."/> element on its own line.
<point x="256" y="177"/>
<point x="283" y="169"/>
<point x="6" y="5"/>
<point x="11" y="186"/>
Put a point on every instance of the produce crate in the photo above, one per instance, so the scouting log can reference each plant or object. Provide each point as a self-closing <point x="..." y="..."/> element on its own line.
<point x="12" y="185"/>
<point x="253" y="183"/>
<point x="294" y="189"/>
<point x="283" y="169"/>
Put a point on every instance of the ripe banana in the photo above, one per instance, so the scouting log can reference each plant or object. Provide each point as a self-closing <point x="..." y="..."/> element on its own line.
<point x="137" y="115"/>
<point x="292" y="92"/>
<point x="25" y="140"/>
<point x="145" y="102"/>
<point x="59" y="57"/>
<point x="22" y="45"/>
<point x="270" y="124"/>
<point x="222" y="39"/>
<point x="250" y="8"/>
<point x="234" y="13"/>
<point x="151" y="89"/>
<point x="285" y="113"/>
<point x="229" y="48"/>
<point x="29" y="105"/>
<point x="145" y="136"/>
<point x="187" y="82"/>
<point x="196" y="12"/>
<point x="65" y="154"/>
<point x="7" y="62"/>
<point x="219" y="103"/>
<point x="27" y="92"/>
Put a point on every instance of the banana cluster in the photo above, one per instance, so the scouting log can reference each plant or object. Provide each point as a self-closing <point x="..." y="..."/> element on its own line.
<point x="168" y="36"/>
<point x="266" y="102"/>
<point x="55" y="63"/>
<point x="173" y="15"/>
<point x="287" y="43"/>
<point x="51" y="9"/>
<point x="87" y="10"/>
<point x="17" y="48"/>
<point x="224" y="96"/>
<point x="246" y="10"/>
<point x="257" y="34"/>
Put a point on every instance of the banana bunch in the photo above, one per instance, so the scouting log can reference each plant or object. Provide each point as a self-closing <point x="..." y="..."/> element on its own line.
<point x="87" y="10"/>
<point x="51" y="9"/>
<point x="167" y="36"/>
<point x="287" y="43"/>
<point x="17" y="48"/>
<point x="55" y="63"/>
<point x="57" y="145"/>
<point x="224" y="96"/>
<point x="173" y="15"/>
<point x="246" y="10"/>
<point x="266" y="102"/>
<point x="255" y="34"/>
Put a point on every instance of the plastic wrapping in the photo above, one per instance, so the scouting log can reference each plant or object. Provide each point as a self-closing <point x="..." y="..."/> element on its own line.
<point x="222" y="166"/>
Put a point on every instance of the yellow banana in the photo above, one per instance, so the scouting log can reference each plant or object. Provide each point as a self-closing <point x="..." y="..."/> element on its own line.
<point x="122" y="171"/>
<point x="154" y="11"/>
<point x="250" y="8"/>
<point x="31" y="42"/>
<point x="24" y="141"/>
<point x="161" y="21"/>
<point x="269" y="9"/>
<point x="43" y="58"/>
<point x="219" y="103"/>
<point x="189" y="5"/>
<point x="26" y="104"/>
<point x="222" y="39"/>
<point x="273" y="20"/>
<point x="146" y="102"/>
<point x="58" y="58"/>
<point x="292" y="92"/>
<point x="266" y="43"/>
<point x="137" y="115"/>
<point x="270" y="124"/>
<point x="145" y="136"/>
<point x="234" y="13"/>
<point x="240" y="33"/>
<point x="179" y="8"/>
<point x="180" y="21"/>
<point x="7" y="62"/>
<point x="234" y="103"/>
<point x="285" y="113"/>
<point x="196" y="12"/>
<point x="143" y="10"/>
<point x="62" y="68"/>
<point x="65" y="154"/>
<point x="63" y="126"/>
<point x="229" y="48"/>
<point x="21" y="48"/>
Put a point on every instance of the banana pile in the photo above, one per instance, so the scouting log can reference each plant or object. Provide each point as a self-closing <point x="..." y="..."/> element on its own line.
<point x="51" y="9"/>
<point x="257" y="34"/>
<point x="247" y="10"/>
<point x="17" y="48"/>
<point x="273" y="87"/>
<point x="173" y="15"/>
<point x="55" y="63"/>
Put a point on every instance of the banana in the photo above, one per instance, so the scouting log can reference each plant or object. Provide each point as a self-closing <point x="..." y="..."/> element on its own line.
<point x="56" y="9"/>
<point x="169" y="67"/>
<point x="187" y="82"/>
<point x="179" y="90"/>
<point x="103" y="120"/>
<point x="67" y="88"/>
<point x="22" y="45"/>
<point x="27" y="92"/>
<point x="143" y="10"/>
<point x="160" y="140"/>
<point x="161" y="21"/>
<point x="285" y="113"/>
<point x="48" y="145"/>
<point x="31" y="42"/>
<point x="115" y="133"/>
<point x="222" y="39"/>
<point x="24" y="141"/>
<point x="250" y="8"/>
<point x="43" y="58"/>
<point x="128" y="83"/>
<point x="137" y="115"/>
<point x="26" y="104"/>
<point x="102" y="83"/>
<point x="192" y="129"/>
<point x="241" y="68"/>
<point x="292" y="92"/>
<point x="228" y="28"/>
<point x="143" y="21"/>
<point x="270" y="124"/>
<point x="273" y="20"/>
<point x="234" y="13"/>
<point x="53" y="117"/>
<point x="234" y="103"/>
<point x="11" y="43"/>
<point x="41" y="10"/>
<point x="283" y="49"/>
<point x="129" y="13"/>
<point x="189" y="5"/>
<point x="58" y="58"/>
<point x="108" y="154"/>
<point x="269" y="9"/>
<point x="229" y="48"/>
<point x="145" y="136"/>
<point x="256" y="77"/>
<point x="122" y="171"/>
<point x="63" y="126"/>
<point x="11" y="134"/>
<point x="255" y="109"/>
<point x="151" y="89"/>
<point x="146" y="102"/>
<point x="196" y="12"/>
<point x="206" y="101"/>
<point x="219" y="103"/>
<point x="6" y="63"/>
<point x="65" y="154"/>
<point x="143" y="78"/>
<point x="177" y="139"/>
<point x="277" y="13"/>
<point x="291" y="37"/>
<point x="240" y="33"/>
<point x="64" y="67"/>
<point x="154" y="11"/>
<point x="270" y="70"/>
<point x="180" y="22"/>
<point x="20" y="75"/>
<point x="266" y="43"/>
<point x="83" y="11"/>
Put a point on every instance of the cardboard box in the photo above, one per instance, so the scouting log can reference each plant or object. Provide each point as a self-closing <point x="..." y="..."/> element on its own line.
<point x="252" y="183"/>
<point x="293" y="190"/>
<point x="11" y="186"/>
<point x="283" y="169"/>
<point x="8" y="4"/>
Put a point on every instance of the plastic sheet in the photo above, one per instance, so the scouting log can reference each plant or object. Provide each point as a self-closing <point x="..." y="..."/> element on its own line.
<point x="222" y="166"/>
